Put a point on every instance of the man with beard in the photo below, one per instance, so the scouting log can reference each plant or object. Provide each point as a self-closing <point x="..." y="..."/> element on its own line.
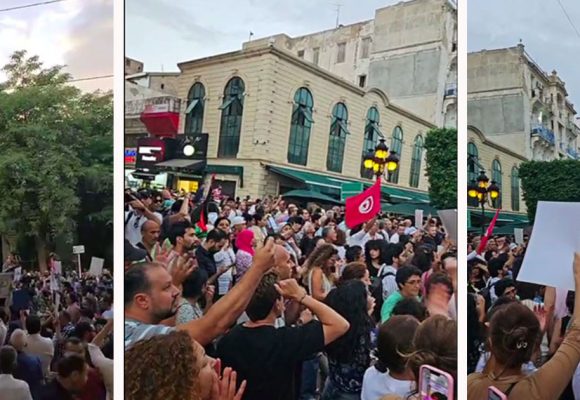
<point x="151" y="296"/>
<point x="214" y="242"/>
<point x="150" y="231"/>
<point x="182" y="237"/>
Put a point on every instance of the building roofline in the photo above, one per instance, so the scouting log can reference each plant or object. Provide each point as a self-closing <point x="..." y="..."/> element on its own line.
<point x="144" y="74"/>
<point x="496" y="146"/>
<point x="287" y="56"/>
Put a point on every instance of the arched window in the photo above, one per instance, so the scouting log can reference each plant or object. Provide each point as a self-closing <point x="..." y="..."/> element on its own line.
<point x="416" y="162"/>
<point x="496" y="176"/>
<point x="194" y="110"/>
<point x="300" y="127"/>
<point x="337" y="140"/>
<point x="515" y="189"/>
<point x="372" y="134"/>
<point x="472" y="161"/>
<point x="231" y="122"/>
<point x="396" y="146"/>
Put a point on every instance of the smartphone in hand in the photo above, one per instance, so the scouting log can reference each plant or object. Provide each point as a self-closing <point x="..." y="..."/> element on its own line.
<point x="435" y="384"/>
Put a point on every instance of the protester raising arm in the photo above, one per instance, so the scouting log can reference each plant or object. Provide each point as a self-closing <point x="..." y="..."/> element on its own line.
<point x="138" y="205"/>
<point x="333" y="324"/>
<point x="226" y="311"/>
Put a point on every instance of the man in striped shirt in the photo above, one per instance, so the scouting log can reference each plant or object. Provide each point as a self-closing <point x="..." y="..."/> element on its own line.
<point x="152" y="295"/>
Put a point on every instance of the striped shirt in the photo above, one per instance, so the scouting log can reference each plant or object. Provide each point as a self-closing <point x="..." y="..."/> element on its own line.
<point x="137" y="330"/>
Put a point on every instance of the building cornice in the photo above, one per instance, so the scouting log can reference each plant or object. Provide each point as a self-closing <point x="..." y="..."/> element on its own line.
<point x="496" y="146"/>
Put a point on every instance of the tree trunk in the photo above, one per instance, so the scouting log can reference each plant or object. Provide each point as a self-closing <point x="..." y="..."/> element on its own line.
<point x="41" y="253"/>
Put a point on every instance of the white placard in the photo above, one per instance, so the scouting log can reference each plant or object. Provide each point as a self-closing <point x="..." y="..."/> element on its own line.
<point x="79" y="249"/>
<point x="58" y="267"/>
<point x="519" y="235"/>
<point x="418" y="219"/>
<point x="96" y="268"/>
<point x="449" y="220"/>
<point x="53" y="283"/>
<point x="555" y="238"/>
<point x="17" y="274"/>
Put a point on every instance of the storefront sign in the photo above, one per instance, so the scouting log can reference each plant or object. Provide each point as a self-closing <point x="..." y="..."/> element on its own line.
<point x="130" y="155"/>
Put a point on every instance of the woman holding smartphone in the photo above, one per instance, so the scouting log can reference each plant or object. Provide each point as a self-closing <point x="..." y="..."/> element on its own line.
<point x="514" y="334"/>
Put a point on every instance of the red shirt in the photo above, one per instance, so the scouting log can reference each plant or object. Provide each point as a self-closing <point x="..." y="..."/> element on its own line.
<point x="95" y="387"/>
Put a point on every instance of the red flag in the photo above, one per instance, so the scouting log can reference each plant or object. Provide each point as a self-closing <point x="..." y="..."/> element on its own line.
<point x="363" y="207"/>
<point x="488" y="234"/>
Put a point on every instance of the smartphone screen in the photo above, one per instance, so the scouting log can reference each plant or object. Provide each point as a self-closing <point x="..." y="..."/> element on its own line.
<point x="434" y="386"/>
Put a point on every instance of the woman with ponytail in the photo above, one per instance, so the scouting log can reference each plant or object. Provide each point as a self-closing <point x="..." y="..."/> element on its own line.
<point x="515" y="332"/>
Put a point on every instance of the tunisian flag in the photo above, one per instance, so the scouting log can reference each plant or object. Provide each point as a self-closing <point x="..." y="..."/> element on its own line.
<point x="488" y="234"/>
<point x="364" y="206"/>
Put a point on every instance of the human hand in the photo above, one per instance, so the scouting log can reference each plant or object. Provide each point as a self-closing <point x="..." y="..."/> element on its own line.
<point x="180" y="268"/>
<point x="540" y="312"/>
<point x="137" y="205"/>
<point x="209" y="293"/>
<point x="577" y="265"/>
<point x="371" y="303"/>
<point x="480" y="306"/>
<point x="290" y="289"/>
<point x="305" y="316"/>
<point x="264" y="257"/>
<point x="224" y="388"/>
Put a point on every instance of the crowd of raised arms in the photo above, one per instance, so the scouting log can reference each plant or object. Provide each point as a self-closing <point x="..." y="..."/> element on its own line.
<point x="523" y="338"/>
<point x="229" y="298"/>
<point x="56" y="334"/>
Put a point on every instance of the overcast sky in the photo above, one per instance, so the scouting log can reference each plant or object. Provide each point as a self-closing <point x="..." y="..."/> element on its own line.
<point x="77" y="33"/>
<point x="162" y="33"/>
<point x="543" y="27"/>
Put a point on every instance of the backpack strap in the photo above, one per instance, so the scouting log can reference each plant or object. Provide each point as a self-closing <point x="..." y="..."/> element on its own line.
<point x="510" y="388"/>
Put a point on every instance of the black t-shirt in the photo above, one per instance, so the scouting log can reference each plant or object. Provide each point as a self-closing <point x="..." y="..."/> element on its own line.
<point x="206" y="261"/>
<point x="54" y="391"/>
<point x="266" y="357"/>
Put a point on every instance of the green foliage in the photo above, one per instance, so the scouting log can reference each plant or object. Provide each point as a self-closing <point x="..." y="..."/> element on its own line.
<point x="441" y="168"/>
<point x="56" y="154"/>
<point x="557" y="180"/>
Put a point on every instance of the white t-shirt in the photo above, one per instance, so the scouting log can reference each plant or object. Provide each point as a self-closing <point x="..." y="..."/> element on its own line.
<point x="377" y="384"/>
<point x="225" y="258"/>
<point x="133" y="225"/>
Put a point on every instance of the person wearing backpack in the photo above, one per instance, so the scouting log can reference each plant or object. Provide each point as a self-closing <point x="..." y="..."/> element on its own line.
<point x="384" y="284"/>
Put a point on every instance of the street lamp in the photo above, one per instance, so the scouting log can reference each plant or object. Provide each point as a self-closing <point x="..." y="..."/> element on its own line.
<point x="484" y="192"/>
<point x="380" y="159"/>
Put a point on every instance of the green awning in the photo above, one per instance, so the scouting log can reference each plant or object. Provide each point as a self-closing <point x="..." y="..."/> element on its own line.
<point x="332" y="185"/>
<point x="408" y="208"/>
<point x="311" y="195"/>
<point x="504" y="217"/>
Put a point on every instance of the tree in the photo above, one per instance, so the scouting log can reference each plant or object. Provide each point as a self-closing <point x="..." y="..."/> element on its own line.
<point x="441" y="167"/>
<point x="557" y="180"/>
<point x="55" y="142"/>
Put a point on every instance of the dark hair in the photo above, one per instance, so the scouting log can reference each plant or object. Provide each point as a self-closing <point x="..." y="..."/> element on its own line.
<point x="502" y="285"/>
<point x="220" y="219"/>
<point x="82" y="329"/>
<point x="193" y="284"/>
<point x="393" y="250"/>
<point x="178" y="229"/>
<point x="395" y="339"/>
<point x="376" y="244"/>
<point x="352" y="253"/>
<point x="33" y="324"/>
<point x="439" y="278"/>
<point x="257" y="217"/>
<point x="423" y="257"/>
<point x="353" y="270"/>
<point x="136" y="280"/>
<point x="69" y="364"/>
<point x="350" y="301"/>
<point x="264" y="298"/>
<point x="297" y="219"/>
<point x="404" y="273"/>
<point x="515" y="332"/>
<point x="495" y="265"/>
<point x="74" y="340"/>
<point x="216" y="235"/>
<point x="412" y="307"/>
<point x="176" y="206"/>
<point x="8" y="358"/>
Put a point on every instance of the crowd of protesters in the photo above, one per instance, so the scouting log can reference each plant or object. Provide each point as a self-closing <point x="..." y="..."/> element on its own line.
<point x="229" y="298"/>
<point x="523" y="338"/>
<point x="56" y="334"/>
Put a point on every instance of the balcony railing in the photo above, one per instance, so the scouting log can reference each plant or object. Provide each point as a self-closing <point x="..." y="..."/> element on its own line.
<point x="570" y="151"/>
<point x="451" y="90"/>
<point x="544" y="133"/>
<point x="134" y="108"/>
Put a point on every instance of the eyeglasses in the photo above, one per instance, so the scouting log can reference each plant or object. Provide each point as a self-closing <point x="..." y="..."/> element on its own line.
<point x="159" y="200"/>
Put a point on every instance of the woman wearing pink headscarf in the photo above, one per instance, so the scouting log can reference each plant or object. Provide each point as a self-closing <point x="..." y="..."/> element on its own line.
<point x="245" y="253"/>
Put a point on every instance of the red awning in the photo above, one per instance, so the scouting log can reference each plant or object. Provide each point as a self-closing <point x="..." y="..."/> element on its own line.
<point x="161" y="124"/>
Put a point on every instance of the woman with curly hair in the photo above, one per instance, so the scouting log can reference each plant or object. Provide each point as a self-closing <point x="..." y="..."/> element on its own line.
<point x="319" y="271"/>
<point x="175" y="367"/>
<point x="349" y="356"/>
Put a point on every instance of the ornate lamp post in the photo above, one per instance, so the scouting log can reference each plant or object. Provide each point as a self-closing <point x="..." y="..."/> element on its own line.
<point x="379" y="160"/>
<point x="484" y="192"/>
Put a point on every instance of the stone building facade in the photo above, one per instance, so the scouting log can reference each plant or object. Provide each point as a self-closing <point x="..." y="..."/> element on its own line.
<point x="269" y="115"/>
<point x="409" y="50"/>
<point x="516" y="103"/>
